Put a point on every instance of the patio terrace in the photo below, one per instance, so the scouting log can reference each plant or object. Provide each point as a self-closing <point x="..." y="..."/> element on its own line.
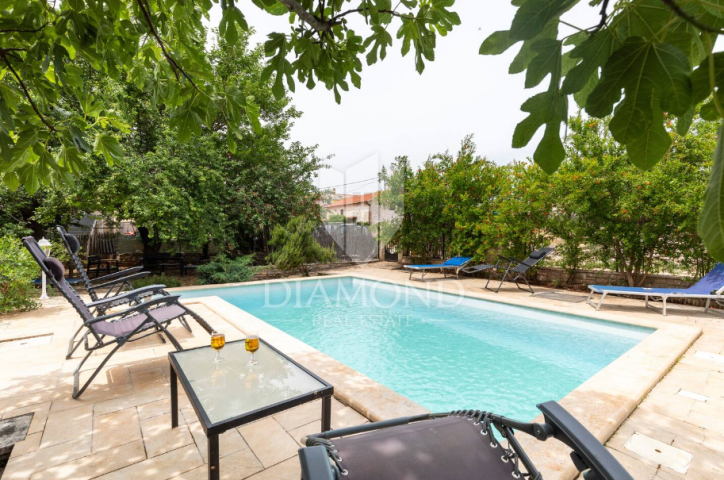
<point x="120" y="428"/>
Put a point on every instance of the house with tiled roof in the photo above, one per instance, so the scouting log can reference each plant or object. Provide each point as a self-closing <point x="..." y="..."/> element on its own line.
<point x="363" y="208"/>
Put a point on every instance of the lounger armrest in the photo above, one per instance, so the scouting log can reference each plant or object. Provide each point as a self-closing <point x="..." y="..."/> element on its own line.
<point x="169" y="299"/>
<point x="130" y="296"/>
<point x="315" y="464"/>
<point x="509" y="259"/>
<point x="120" y="274"/>
<point x="586" y="447"/>
<point x="126" y="279"/>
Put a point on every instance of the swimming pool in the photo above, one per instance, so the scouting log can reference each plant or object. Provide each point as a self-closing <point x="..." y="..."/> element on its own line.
<point x="442" y="351"/>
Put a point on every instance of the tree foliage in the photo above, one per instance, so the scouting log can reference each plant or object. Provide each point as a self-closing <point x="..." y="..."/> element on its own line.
<point x="52" y="121"/>
<point x="295" y="246"/>
<point x="223" y="269"/>
<point x="598" y="208"/>
<point x="17" y="272"/>
<point x="194" y="192"/>
<point x="639" y="61"/>
<point x="642" y="62"/>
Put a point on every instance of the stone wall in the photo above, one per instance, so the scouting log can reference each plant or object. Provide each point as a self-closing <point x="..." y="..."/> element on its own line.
<point x="583" y="278"/>
<point x="559" y="277"/>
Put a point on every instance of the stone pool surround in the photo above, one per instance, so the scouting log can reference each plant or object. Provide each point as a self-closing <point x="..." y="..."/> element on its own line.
<point x="602" y="403"/>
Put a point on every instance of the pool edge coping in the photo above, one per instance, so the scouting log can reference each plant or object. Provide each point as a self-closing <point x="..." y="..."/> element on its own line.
<point x="614" y="392"/>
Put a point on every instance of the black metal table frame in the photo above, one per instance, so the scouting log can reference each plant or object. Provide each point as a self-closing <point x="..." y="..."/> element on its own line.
<point x="213" y="430"/>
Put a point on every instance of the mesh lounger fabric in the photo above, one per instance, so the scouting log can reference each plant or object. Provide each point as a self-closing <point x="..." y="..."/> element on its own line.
<point x="129" y="324"/>
<point x="452" y="263"/>
<point x="450" y="447"/>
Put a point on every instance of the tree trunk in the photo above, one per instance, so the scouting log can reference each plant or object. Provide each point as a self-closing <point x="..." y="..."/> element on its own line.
<point x="150" y="245"/>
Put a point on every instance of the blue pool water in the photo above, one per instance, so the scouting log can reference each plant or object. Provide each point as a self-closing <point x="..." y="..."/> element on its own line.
<point x="445" y="352"/>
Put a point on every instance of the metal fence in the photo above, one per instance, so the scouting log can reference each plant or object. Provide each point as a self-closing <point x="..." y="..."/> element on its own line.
<point x="351" y="243"/>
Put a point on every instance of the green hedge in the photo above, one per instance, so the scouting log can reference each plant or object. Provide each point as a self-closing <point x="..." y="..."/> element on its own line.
<point x="17" y="272"/>
<point x="599" y="209"/>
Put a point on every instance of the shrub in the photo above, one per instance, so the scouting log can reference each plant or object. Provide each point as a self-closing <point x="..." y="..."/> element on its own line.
<point x="222" y="269"/>
<point x="169" y="281"/>
<point x="17" y="272"/>
<point x="296" y="246"/>
<point x="336" y="218"/>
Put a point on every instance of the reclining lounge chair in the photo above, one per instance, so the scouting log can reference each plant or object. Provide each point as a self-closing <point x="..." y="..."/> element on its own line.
<point x="454" y="265"/>
<point x="139" y="321"/>
<point x="506" y="266"/>
<point x="113" y="283"/>
<point x="460" y="445"/>
<point x="710" y="287"/>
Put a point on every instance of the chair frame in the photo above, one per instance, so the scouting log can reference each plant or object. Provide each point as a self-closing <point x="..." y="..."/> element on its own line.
<point x="443" y="269"/>
<point x="716" y="296"/>
<point x="589" y="456"/>
<point x="139" y="333"/>
<point x="89" y="320"/>
<point x="513" y="264"/>
<point x="115" y="282"/>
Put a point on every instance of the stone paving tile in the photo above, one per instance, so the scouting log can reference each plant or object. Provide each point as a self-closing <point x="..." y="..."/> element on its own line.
<point x="160" y="438"/>
<point x="236" y="466"/>
<point x="23" y="466"/>
<point x="132" y="400"/>
<point x="29" y="445"/>
<point x="705" y="457"/>
<point x="229" y="441"/>
<point x="93" y="395"/>
<point x="347" y="417"/>
<point x="168" y="465"/>
<point x="24" y="400"/>
<point x="40" y="415"/>
<point x="68" y="425"/>
<point x="301" y="415"/>
<point x="706" y="421"/>
<point x="269" y="441"/>
<point x="114" y="429"/>
<point x="189" y="415"/>
<point x="637" y="469"/>
<point x="287" y="470"/>
<point x="148" y="379"/>
<point x="159" y="407"/>
<point x="309" y="429"/>
<point x="95" y="465"/>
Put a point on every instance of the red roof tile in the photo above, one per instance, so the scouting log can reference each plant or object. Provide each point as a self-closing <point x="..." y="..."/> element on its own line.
<point x="352" y="199"/>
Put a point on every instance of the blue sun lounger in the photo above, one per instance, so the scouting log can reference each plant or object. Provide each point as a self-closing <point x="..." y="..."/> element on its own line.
<point x="455" y="264"/>
<point x="710" y="287"/>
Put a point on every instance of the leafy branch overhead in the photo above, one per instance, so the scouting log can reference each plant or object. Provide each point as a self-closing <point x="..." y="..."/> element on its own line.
<point x="50" y="122"/>
<point x="638" y="60"/>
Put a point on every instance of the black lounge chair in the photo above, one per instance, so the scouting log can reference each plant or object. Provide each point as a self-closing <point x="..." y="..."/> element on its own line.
<point x="135" y="323"/>
<point x="98" y="306"/>
<point x="506" y="266"/>
<point x="460" y="445"/>
<point x="113" y="284"/>
<point x="118" y="287"/>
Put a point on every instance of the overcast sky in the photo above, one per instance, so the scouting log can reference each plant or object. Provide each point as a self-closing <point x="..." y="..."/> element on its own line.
<point x="399" y="112"/>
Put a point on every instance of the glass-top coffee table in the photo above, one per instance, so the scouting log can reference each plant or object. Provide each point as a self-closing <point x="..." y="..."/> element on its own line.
<point x="231" y="393"/>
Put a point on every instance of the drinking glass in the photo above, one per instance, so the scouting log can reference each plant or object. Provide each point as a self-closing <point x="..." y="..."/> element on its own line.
<point x="252" y="345"/>
<point x="218" y="340"/>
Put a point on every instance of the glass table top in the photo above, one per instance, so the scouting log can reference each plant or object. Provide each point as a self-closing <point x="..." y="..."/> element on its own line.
<point x="232" y="388"/>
